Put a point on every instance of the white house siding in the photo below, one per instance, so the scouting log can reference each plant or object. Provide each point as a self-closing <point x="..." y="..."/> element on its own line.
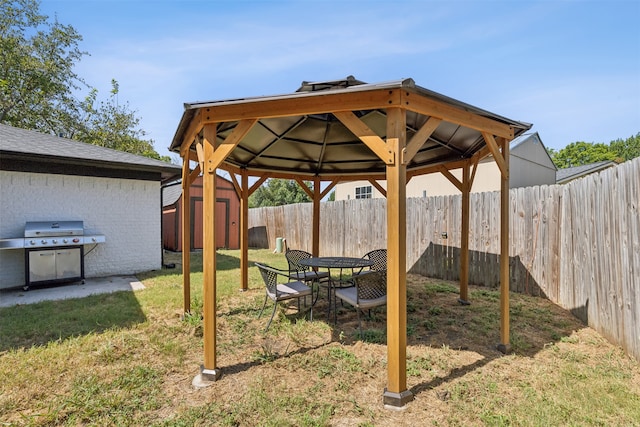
<point x="126" y="211"/>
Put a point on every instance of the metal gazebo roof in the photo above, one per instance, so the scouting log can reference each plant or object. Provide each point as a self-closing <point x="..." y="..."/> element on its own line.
<point x="320" y="144"/>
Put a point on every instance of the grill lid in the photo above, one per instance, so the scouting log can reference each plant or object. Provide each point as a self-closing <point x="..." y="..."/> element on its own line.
<point x="53" y="228"/>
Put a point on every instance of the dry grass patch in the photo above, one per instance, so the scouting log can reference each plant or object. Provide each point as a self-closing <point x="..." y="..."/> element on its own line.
<point x="129" y="359"/>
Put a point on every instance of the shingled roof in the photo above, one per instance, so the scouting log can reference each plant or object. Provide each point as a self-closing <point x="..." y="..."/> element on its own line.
<point x="32" y="151"/>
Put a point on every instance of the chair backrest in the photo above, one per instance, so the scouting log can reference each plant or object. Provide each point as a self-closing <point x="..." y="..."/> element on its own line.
<point x="293" y="258"/>
<point x="371" y="285"/>
<point x="270" y="277"/>
<point x="379" y="258"/>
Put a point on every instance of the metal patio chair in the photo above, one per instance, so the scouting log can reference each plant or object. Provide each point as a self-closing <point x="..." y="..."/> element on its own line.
<point x="287" y="290"/>
<point x="301" y="272"/>
<point x="369" y="290"/>
<point x="379" y="259"/>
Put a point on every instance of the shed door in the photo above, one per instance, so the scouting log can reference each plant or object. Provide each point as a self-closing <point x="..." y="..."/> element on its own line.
<point x="222" y="223"/>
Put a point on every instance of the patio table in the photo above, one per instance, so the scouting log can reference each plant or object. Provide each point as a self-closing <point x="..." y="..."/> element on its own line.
<point x="336" y="263"/>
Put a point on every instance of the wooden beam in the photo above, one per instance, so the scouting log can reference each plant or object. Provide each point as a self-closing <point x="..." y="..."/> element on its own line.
<point x="504" y="251"/>
<point x="464" y="238"/>
<point x="190" y="135"/>
<point x="435" y="168"/>
<point x="186" y="236"/>
<point x="419" y="138"/>
<point x="209" y="254"/>
<point x="474" y="163"/>
<point x="195" y="173"/>
<point x="300" y="105"/>
<point x="455" y="181"/>
<point x="396" y="393"/>
<point x="329" y="187"/>
<point x="378" y="186"/>
<point x="315" y="239"/>
<point x="304" y="187"/>
<point x="200" y="154"/>
<point x="244" y="231"/>
<point x="497" y="155"/>
<point x="366" y="135"/>
<point x="449" y="113"/>
<point x="257" y="184"/>
<point x="230" y="142"/>
<point x="236" y="186"/>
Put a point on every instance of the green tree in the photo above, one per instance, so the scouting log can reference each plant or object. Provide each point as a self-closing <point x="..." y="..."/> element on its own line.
<point x="278" y="192"/>
<point x="37" y="58"/>
<point x="112" y="125"/>
<point x="37" y="84"/>
<point x="627" y="149"/>
<point x="581" y="153"/>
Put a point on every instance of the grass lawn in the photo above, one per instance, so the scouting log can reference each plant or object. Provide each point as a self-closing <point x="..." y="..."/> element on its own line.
<point x="129" y="358"/>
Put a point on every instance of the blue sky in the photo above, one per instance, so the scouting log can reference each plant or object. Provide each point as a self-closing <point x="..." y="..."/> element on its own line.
<point x="572" y="68"/>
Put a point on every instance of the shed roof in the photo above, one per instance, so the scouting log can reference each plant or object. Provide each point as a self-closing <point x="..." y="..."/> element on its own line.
<point x="301" y="133"/>
<point x="28" y="145"/>
<point x="568" y="174"/>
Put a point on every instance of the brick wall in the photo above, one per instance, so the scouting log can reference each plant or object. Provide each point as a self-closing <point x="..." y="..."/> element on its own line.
<point x="126" y="211"/>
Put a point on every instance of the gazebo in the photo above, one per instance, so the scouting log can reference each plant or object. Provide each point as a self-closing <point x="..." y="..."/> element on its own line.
<point x="333" y="131"/>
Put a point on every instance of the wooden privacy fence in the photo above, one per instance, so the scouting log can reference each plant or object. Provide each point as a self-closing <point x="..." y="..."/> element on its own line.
<point x="576" y="244"/>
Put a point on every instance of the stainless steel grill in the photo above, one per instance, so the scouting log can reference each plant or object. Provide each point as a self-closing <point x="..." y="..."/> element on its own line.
<point x="54" y="251"/>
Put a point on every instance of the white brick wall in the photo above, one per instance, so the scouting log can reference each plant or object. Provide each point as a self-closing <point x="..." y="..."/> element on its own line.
<point x="126" y="211"/>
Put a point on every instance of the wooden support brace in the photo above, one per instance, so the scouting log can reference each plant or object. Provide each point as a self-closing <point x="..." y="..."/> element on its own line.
<point x="444" y="171"/>
<point x="195" y="173"/>
<point x="378" y="187"/>
<point x="257" y="184"/>
<point x="366" y="135"/>
<point x="304" y="186"/>
<point x="419" y="138"/>
<point x="497" y="155"/>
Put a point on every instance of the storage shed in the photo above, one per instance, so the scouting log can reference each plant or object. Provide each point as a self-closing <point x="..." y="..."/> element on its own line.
<point x="227" y="215"/>
<point x="116" y="194"/>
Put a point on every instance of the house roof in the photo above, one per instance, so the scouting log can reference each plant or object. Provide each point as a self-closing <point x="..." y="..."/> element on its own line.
<point x="569" y="174"/>
<point x="20" y="146"/>
<point x="304" y="132"/>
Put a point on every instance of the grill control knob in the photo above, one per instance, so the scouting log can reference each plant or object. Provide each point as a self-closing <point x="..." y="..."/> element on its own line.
<point x="65" y="241"/>
<point x="44" y="242"/>
<point x="76" y="240"/>
<point x="54" y="241"/>
<point x="33" y="242"/>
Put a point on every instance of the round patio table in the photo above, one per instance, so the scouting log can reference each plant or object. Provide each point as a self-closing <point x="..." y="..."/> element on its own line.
<point x="340" y="263"/>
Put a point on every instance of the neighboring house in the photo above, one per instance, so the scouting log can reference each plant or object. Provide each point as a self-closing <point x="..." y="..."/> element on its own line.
<point x="529" y="164"/>
<point x="227" y="215"/>
<point x="117" y="194"/>
<point x="569" y="174"/>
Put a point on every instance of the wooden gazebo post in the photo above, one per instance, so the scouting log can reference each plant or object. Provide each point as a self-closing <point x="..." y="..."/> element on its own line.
<point x="244" y="230"/>
<point x="504" y="345"/>
<point x="208" y="370"/>
<point x="396" y="393"/>
<point x="186" y="231"/>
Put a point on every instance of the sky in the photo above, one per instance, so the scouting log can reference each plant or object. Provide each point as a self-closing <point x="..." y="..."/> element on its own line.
<point x="571" y="68"/>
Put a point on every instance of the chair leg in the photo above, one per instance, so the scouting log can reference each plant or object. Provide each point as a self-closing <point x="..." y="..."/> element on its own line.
<point x="263" y="305"/>
<point x="275" y="306"/>
<point x="359" y="324"/>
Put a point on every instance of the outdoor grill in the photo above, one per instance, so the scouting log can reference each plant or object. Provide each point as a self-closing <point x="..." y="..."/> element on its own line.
<point x="54" y="251"/>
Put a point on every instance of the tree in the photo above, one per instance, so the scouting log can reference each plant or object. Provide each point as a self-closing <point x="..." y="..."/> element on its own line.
<point x="627" y="149"/>
<point x="581" y="153"/>
<point x="278" y="192"/>
<point x="37" y="58"/>
<point x="114" y="126"/>
<point x="37" y="84"/>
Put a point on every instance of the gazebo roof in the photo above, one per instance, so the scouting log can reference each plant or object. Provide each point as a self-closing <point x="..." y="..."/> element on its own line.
<point x="313" y="131"/>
